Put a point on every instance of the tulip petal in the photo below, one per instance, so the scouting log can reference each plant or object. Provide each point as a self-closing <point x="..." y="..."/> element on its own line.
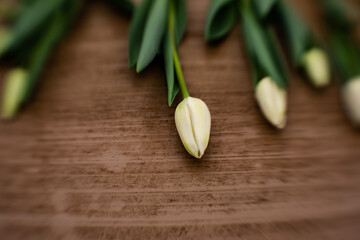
<point x="184" y="127"/>
<point x="201" y="123"/>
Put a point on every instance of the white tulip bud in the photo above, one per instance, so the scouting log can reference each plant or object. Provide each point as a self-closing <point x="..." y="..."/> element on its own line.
<point x="272" y="101"/>
<point x="13" y="92"/>
<point x="351" y="98"/>
<point x="193" y="123"/>
<point x="316" y="65"/>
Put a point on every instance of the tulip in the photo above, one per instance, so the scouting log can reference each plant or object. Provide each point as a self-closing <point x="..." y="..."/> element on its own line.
<point x="13" y="92"/>
<point x="272" y="101"/>
<point x="351" y="98"/>
<point x="193" y="123"/>
<point x="316" y="65"/>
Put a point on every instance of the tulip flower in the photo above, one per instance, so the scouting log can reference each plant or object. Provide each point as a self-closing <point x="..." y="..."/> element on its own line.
<point x="267" y="65"/>
<point x="158" y="27"/>
<point x="316" y="65"/>
<point x="351" y="98"/>
<point x="299" y="40"/>
<point x="345" y="55"/>
<point x="35" y="29"/>
<point x="272" y="102"/>
<point x="193" y="122"/>
<point x="269" y="76"/>
<point x="15" y="83"/>
<point x="27" y="43"/>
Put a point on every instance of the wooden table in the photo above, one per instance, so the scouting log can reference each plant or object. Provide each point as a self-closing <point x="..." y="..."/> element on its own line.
<point x="96" y="154"/>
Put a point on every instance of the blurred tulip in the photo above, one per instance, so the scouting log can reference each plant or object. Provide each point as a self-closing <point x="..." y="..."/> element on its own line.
<point x="272" y="102"/>
<point x="351" y="98"/>
<point x="13" y="92"/>
<point x="316" y="65"/>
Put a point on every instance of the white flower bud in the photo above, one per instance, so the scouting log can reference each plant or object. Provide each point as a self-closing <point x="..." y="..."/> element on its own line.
<point x="316" y="65"/>
<point x="272" y="101"/>
<point x="193" y="123"/>
<point x="13" y="92"/>
<point x="351" y="98"/>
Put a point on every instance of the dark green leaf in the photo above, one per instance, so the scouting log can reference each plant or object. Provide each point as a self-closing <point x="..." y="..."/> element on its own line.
<point x="150" y="33"/>
<point x="153" y="33"/>
<point x="346" y="57"/>
<point x="172" y="84"/>
<point x="180" y="19"/>
<point x="123" y="6"/>
<point x="55" y="30"/>
<point x="298" y="36"/>
<point x="338" y="15"/>
<point x="344" y="50"/>
<point x="264" y="7"/>
<point x="299" y="39"/>
<point x="220" y="19"/>
<point x="260" y="46"/>
<point x="71" y="9"/>
<point x="35" y="16"/>
<point x="28" y="2"/>
<point x="176" y="25"/>
<point x="137" y="31"/>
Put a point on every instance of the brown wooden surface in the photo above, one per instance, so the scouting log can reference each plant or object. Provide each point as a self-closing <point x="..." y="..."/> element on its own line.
<point x="96" y="155"/>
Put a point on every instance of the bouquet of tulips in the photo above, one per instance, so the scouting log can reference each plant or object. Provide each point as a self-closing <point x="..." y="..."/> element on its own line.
<point x="157" y="29"/>
<point x="36" y="28"/>
<point x="259" y="20"/>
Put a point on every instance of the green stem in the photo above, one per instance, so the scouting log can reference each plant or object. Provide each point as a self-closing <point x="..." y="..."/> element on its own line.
<point x="178" y="70"/>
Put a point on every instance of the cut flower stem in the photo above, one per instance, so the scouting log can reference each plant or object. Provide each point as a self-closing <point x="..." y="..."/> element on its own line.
<point x="178" y="70"/>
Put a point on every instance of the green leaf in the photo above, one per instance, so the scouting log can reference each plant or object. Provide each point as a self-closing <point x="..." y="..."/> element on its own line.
<point x="72" y="9"/>
<point x="176" y="25"/>
<point x="180" y="19"/>
<point x="220" y="19"/>
<point x="153" y="34"/>
<point x="36" y="15"/>
<point x="265" y="60"/>
<point x="344" y="50"/>
<point x="337" y="14"/>
<point x="299" y="39"/>
<point x="172" y="84"/>
<point x="53" y="33"/>
<point x="346" y="56"/>
<point x="137" y="31"/>
<point x="264" y="7"/>
<point x="28" y="2"/>
<point x="123" y="6"/>
<point x="179" y="22"/>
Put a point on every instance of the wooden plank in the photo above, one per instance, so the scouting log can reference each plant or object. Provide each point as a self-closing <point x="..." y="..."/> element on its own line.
<point x="96" y="154"/>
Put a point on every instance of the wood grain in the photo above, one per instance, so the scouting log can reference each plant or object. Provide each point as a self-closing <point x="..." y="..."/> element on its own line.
<point x="96" y="154"/>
